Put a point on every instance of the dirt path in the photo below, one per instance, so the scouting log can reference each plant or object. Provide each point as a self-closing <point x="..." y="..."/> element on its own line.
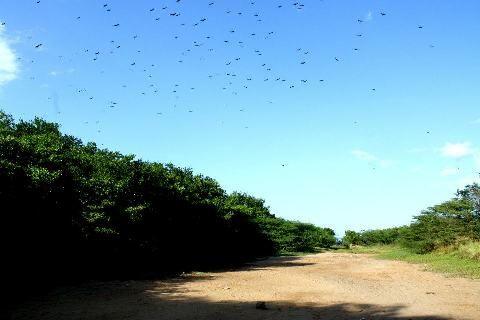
<point x="323" y="286"/>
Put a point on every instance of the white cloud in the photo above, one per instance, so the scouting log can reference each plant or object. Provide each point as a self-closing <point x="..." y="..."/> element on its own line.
<point x="476" y="121"/>
<point x="367" y="156"/>
<point x="55" y="73"/>
<point x="450" y="171"/>
<point x="368" y="16"/>
<point x="364" y="155"/>
<point x="8" y="60"/>
<point x="457" y="150"/>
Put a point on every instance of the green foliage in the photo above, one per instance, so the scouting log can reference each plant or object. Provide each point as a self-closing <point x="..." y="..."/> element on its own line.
<point x="467" y="250"/>
<point x="444" y="225"/>
<point x="370" y="237"/>
<point x="452" y="260"/>
<point x="351" y="238"/>
<point x="286" y="236"/>
<point x="293" y="236"/>
<point x="70" y="208"/>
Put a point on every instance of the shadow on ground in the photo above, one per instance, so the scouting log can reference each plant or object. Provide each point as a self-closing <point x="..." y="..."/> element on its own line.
<point x="273" y="262"/>
<point x="169" y="299"/>
<point x="149" y="305"/>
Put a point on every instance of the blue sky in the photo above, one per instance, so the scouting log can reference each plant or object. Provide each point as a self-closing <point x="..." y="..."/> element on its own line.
<point x="328" y="150"/>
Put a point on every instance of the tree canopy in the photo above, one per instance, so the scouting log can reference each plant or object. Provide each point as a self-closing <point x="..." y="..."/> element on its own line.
<point x="441" y="225"/>
<point x="74" y="210"/>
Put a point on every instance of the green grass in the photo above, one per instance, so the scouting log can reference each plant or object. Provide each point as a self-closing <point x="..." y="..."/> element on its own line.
<point x="468" y="250"/>
<point x="454" y="262"/>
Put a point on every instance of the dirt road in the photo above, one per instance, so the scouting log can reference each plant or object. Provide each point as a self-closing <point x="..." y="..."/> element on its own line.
<point x="323" y="286"/>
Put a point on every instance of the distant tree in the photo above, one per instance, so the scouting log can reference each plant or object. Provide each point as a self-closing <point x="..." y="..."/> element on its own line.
<point x="351" y="238"/>
<point x="438" y="226"/>
<point x="442" y="225"/>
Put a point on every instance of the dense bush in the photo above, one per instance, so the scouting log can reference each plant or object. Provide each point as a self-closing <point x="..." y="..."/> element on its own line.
<point x="370" y="237"/>
<point x="73" y="210"/>
<point x="286" y="236"/>
<point x="446" y="224"/>
<point x="292" y="236"/>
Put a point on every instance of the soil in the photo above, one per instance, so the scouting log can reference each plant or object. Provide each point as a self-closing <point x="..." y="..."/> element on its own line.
<point x="321" y="286"/>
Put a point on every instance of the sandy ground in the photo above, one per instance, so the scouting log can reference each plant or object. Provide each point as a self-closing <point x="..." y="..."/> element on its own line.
<point x="323" y="286"/>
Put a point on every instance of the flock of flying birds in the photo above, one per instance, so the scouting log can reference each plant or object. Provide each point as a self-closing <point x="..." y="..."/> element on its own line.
<point x="232" y="80"/>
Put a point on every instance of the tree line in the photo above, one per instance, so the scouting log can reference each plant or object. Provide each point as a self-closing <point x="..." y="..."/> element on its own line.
<point x="72" y="210"/>
<point x="446" y="224"/>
